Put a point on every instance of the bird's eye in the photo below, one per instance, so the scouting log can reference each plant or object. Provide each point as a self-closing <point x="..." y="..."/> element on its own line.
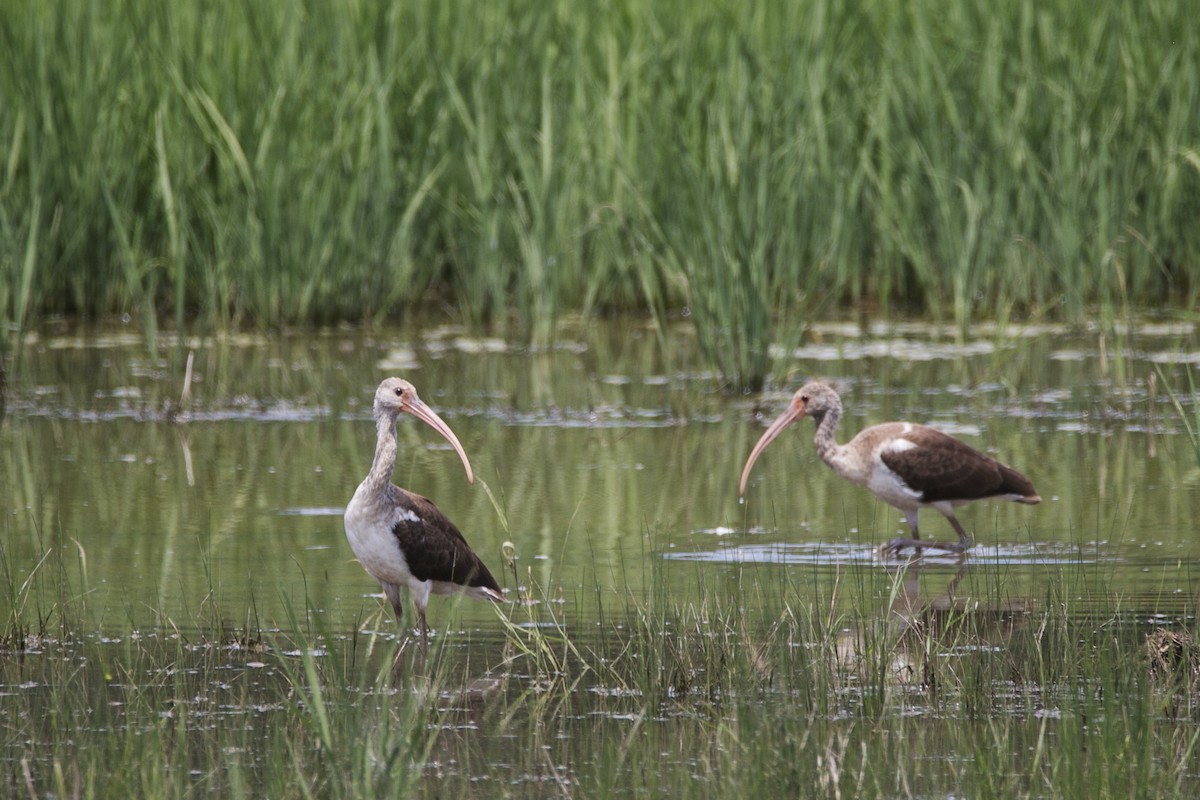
<point x="399" y="393"/>
<point x="803" y="398"/>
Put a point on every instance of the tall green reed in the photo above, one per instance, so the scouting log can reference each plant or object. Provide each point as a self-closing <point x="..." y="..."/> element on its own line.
<point x="272" y="165"/>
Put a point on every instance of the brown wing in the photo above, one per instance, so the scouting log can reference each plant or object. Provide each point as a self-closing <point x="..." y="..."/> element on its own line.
<point x="434" y="549"/>
<point x="941" y="467"/>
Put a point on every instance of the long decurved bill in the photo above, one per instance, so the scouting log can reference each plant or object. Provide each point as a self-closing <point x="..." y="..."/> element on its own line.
<point x="794" y="412"/>
<point x="427" y="415"/>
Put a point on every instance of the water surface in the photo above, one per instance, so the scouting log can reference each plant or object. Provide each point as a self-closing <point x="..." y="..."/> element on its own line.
<point x="614" y="461"/>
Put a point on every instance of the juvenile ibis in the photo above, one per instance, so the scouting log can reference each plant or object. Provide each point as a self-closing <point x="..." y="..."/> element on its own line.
<point x="905" y="465"/>
<point x="402" y="539"/>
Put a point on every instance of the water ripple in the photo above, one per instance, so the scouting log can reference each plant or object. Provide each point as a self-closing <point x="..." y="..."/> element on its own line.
<point x="846" y="553"/>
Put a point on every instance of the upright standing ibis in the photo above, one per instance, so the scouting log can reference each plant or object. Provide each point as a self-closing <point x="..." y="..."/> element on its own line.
<point x="905" y="465"/>
<point x="402" y="539"/>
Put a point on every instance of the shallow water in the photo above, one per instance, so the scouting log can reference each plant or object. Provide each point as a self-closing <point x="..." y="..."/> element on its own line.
<point x="615" y="462"/>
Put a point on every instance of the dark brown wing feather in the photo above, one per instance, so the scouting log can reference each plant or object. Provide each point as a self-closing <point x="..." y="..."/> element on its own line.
<point x="943" y="468"/>
<point x="434" y="549"/>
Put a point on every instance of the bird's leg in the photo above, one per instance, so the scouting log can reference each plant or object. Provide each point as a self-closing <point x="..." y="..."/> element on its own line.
<point x="424" y="630"/>
<point x="963" y="544"/>
<point x="964" y="541"/>
<point x="394" y="596"/>
<point x="895" y="546"/>
<point x="392" y="592"/>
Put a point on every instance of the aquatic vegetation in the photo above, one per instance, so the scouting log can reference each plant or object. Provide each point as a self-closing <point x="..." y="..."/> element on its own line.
<point x="919" y="685"/>
<point x="1189" y="414"/>
<point x="754" y="165"/>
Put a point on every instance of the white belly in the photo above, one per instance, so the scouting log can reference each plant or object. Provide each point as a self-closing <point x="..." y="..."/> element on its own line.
<point x="375" y="546"/>
<point x="887" y="485"/>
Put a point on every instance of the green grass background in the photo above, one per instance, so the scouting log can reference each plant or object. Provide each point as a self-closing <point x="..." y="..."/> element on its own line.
<point x="228" y="165"/>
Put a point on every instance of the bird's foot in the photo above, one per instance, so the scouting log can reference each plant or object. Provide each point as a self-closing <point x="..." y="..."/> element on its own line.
<point x="896" y="546"/>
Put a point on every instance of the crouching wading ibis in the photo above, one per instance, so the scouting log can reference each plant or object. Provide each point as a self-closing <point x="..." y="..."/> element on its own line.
<point x="402" y="539"/>
<point x="907" y="466"/>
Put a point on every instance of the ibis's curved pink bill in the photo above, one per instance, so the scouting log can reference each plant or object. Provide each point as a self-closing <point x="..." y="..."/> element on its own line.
<point x="795" y="411"/>
<point x="415" y="406"/>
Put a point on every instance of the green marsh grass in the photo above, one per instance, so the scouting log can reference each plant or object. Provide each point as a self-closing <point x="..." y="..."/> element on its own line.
<point x="172" y="711"/>
<point x="1190" y="417"/>
<point x="994" y="695"/>
<point x="226" y="166"/>
<point x="879" y="686"/>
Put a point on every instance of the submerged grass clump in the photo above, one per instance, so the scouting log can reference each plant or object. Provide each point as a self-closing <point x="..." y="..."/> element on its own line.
<point x="751" y="163"/>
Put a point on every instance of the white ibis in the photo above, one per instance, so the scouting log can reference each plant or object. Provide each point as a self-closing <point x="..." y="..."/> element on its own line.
<point x="402" y="539"/>
<point x="907" y="466"/>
